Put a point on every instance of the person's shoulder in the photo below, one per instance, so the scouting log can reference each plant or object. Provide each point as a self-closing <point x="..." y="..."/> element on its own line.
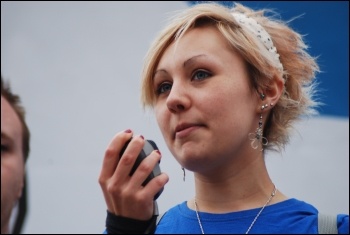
<point x="295" y="204"/>
<point x="343" y="223"/>
<point x="342" y="219"/>
<point x="178" y="207"/>
<point x="167" y="217"/>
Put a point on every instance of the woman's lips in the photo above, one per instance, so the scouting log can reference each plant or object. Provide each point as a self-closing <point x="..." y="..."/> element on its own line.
<point x="185" y="130"/>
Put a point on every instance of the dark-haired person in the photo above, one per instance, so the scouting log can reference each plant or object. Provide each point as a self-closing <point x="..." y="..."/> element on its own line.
<point x="15" y="137"/>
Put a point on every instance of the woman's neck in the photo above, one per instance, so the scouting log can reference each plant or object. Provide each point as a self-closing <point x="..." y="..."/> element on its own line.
<point x="234" y="188"/>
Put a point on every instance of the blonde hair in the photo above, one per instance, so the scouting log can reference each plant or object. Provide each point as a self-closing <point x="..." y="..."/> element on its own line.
<point x="299" y="68"/>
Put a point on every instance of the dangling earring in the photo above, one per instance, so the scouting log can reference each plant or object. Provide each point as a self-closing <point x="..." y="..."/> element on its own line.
<point x="183" y="169"/>
<point x="257" y="137"/>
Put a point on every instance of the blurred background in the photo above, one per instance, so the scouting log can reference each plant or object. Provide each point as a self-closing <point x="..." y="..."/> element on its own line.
<point x="77" y="66"/>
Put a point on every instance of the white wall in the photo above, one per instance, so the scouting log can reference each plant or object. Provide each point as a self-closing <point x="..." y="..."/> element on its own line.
<point x="77" y="66"/>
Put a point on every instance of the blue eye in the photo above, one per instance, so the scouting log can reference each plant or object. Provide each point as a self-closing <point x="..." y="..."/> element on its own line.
<point x="200" y="75"/>
<point x="164" y="87"/>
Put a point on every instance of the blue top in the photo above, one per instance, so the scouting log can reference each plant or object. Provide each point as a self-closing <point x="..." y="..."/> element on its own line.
<point x="291" y="216"/>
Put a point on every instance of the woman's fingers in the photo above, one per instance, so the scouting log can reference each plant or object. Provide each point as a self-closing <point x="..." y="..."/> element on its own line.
<point x="127" y="160"/>
<point x="124" y="193"/>
<point x="111" y="158"/>
<point x="143" y="171"/>
<point x="110" y="162"/>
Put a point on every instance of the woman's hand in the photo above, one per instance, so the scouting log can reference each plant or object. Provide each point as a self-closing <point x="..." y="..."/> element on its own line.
<point x="124" y="194"/>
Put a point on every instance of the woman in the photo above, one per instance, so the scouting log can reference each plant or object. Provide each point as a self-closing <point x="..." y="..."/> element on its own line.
<point x="225" y="85"/>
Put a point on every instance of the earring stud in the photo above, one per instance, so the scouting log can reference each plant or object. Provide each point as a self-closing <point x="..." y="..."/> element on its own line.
<point x="264" y="107"/>
<point x="262" y="96"/>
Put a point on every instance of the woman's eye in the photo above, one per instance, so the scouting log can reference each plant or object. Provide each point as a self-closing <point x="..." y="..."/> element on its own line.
<point x="163" y="88"/>
<point x="200" y="75"/>
<point x="4" y="148"/>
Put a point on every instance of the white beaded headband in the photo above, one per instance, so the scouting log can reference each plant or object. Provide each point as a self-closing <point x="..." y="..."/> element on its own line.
<point x="254" y="27"/>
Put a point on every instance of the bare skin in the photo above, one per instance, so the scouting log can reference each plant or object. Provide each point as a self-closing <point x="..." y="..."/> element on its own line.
<point x="205" y="109"/>
<point x="124" y="195"/>
<point x="12" y="163"/>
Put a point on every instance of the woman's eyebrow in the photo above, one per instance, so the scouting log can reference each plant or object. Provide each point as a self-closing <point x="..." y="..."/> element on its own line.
<point x="192" y="59"/>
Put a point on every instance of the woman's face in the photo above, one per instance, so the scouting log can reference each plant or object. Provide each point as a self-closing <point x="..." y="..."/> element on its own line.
<point x="12" y="163"/>
<point x="204" y="105"/>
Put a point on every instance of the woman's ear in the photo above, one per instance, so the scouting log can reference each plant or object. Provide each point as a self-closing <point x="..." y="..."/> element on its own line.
<point x="272" y="93"/>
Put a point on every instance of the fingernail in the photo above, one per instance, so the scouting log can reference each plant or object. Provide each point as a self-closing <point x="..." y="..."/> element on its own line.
<point x="159" y="154"/>
<point x="127" y="131"/>
<point x="141" y="136"/>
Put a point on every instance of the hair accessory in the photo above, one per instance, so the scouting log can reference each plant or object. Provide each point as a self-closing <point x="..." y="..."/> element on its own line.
<point x="264" y="37"/>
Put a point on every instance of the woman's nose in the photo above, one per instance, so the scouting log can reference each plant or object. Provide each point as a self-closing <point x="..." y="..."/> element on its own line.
<point x="178" y="99"/>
